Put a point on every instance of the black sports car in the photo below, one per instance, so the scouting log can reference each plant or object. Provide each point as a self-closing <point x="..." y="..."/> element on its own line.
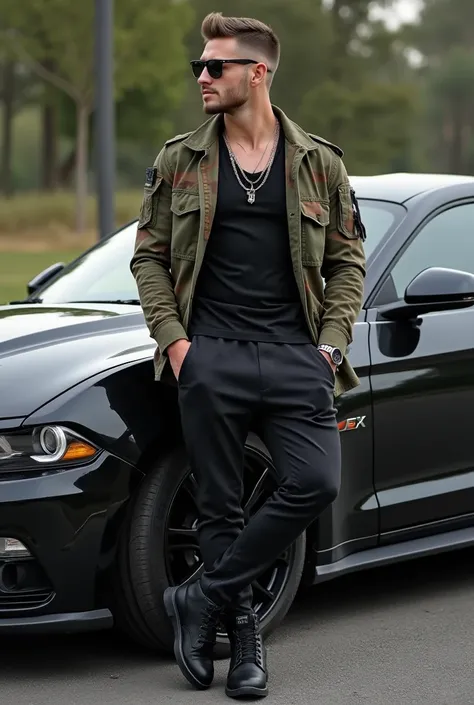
<point x="97" y="512"/>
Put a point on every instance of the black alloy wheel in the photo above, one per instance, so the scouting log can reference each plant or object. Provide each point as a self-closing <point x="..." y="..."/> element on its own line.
<point x="160" y="548"/>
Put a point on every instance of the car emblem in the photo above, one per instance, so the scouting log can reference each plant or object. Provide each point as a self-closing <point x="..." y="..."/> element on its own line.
<point x="352" y="424"/>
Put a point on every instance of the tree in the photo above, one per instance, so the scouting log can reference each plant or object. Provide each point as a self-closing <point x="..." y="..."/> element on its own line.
<point x="305" y="32"/>
<point x="335" y="67"/>
<point x="55" y="39"/>
<point x="451" y="106"/>
<point x="50" y="134"/>
<point x="16" y="90"/>
<point x="8" y="100"/>
<point x="443" y="25"/>
<point x="374" y="122"/>
<point x="443" y="36"/>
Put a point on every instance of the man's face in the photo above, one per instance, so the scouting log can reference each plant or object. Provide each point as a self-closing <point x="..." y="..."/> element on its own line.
<point x="232" y="90"/>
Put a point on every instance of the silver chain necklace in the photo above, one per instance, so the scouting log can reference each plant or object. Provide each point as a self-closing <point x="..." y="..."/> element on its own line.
<point x="254" y="186"/>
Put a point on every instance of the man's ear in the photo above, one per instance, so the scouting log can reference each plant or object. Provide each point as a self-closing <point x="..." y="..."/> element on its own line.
<point x="259" y="74"/>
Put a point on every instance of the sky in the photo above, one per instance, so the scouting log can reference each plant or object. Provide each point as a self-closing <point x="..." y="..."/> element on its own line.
<point x="403" y="11"/>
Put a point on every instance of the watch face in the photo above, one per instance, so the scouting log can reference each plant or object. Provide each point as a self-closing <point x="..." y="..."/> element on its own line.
<point x="337" y="356"/>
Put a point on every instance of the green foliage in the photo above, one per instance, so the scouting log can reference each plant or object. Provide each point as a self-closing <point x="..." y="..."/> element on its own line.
<point x="62" y="31"/>
<point x="56" y="31"/>
<point x="343" y="75"/>
<point x="383" y="114"/>
<point x="444" y="37"/>
<point x="55" y="40"/>
<point x="454" y="79"/>
<point x="443" y="26"/>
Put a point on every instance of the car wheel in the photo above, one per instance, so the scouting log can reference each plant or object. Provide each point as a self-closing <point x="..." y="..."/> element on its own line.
<point x="160" y="548"/>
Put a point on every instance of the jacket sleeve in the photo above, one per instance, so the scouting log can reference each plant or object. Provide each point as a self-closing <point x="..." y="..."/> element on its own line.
<point x="150" y="264"/>
<point x="344" y="263"/>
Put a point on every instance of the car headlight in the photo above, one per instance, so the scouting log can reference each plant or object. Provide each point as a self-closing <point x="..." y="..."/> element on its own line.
<point x="47" y="446"/>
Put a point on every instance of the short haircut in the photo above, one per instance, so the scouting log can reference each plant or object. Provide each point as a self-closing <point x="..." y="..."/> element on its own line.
<point x="249" y="32"/>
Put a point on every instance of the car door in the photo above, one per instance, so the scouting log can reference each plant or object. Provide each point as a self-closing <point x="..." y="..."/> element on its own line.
<point x="422" y="379"/>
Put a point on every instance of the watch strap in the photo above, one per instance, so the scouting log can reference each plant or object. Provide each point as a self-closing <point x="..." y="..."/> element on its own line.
<point x="335" y="353"/>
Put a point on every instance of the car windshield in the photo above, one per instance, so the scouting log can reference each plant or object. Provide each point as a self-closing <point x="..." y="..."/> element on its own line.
<point x="103" y="273"/>
<point x="379" y="218"/>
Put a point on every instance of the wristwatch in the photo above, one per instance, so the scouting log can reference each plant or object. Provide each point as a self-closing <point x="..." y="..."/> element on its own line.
<point x="335" y="353"/>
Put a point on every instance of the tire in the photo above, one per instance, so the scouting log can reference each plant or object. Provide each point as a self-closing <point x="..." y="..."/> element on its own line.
<point x="158" y="548"/>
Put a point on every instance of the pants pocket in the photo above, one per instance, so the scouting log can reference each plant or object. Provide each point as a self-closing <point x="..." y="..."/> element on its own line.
<point x="186" y="361"/>
<point x="325" y="366"/>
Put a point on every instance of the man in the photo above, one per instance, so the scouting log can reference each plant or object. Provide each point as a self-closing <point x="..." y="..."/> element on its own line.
<point x="241" y="222"/>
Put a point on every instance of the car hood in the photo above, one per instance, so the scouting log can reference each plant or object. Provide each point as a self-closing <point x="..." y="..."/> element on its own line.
<point x="45" y="350"/>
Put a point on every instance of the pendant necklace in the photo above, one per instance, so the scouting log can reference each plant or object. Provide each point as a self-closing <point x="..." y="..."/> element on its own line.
<point x="253" y="186"/>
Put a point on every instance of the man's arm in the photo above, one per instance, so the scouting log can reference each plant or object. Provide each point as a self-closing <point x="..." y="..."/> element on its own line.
<point x="343" y="266"/>
<point x="151" y="260"/>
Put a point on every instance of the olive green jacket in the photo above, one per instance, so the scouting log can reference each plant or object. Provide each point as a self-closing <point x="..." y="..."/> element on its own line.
<point x="326" y="237"/>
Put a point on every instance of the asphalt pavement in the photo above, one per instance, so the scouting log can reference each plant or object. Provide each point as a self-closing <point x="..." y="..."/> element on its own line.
<point x="398" y="636"/>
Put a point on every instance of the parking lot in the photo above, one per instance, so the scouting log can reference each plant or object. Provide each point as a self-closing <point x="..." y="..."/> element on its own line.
<point x="398" y="636"/>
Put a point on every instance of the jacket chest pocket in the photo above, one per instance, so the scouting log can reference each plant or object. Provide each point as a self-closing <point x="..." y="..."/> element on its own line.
<point x="314" y="221"/>
<point x="186" y="219"/>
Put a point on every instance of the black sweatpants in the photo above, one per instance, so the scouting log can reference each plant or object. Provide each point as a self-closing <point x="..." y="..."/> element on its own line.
<point x="222" y="385"/>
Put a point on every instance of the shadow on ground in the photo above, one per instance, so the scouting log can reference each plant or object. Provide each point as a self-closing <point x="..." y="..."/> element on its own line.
<point x="107" y="654"/>
<point x="376" y="589"/>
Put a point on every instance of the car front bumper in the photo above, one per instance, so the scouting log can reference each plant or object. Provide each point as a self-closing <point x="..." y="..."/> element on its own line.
<point x="70" y="522"/>
<point x="69" y="622"/>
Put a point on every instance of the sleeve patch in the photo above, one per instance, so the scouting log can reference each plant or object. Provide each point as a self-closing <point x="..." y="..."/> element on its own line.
<point x="150" y="176"/>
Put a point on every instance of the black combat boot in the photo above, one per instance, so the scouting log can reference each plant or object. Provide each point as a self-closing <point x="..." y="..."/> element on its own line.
<point x="247" y="671"/>
<point x="195" y="619"/>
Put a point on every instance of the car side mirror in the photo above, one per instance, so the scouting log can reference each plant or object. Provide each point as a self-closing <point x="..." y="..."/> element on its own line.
<point x="44" y="277"/>
<point x="433" y="289"/>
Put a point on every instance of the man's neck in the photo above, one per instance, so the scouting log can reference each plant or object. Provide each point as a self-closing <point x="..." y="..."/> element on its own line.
<point x="250" y="127"/>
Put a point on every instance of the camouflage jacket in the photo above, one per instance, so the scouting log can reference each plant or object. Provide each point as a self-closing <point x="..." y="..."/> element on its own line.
<point x="324" y="228"/>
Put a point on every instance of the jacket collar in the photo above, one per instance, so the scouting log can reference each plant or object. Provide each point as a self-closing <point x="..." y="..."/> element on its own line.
<point x="205" y="135"/>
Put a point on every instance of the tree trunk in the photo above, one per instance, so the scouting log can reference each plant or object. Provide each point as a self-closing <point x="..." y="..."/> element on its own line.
<point x="7" y="128"/>
<point x="66" y="168"/>
<point x="82" y="145"/>
<point x="49" y="156"/>
<point x="456" y="151"/>
<point x="49" y="171"/>
<point x="466" y="138"/>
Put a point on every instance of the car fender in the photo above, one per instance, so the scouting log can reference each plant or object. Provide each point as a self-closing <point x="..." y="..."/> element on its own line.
<point x="122" y="410"/>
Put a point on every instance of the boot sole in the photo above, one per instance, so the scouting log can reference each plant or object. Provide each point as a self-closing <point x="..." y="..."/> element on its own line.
<point x="173" y="613"/>
<point x="247" y="691"/>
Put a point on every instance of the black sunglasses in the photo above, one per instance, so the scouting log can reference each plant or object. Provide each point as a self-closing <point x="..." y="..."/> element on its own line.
<point x="215" y="66"/>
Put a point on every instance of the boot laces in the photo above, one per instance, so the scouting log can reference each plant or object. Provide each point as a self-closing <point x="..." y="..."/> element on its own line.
<point x="249" y="644"/>
<point x="206" y="639"/>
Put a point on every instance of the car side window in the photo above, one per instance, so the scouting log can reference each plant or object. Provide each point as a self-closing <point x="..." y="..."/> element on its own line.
<point x="447" y="240"/>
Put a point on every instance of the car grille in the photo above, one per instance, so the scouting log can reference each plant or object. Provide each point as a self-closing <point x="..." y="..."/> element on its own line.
<point x="23" y="585"/>
<point x="24" y="600"/>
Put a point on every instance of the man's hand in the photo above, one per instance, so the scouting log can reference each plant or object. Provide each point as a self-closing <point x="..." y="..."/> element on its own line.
<point x="177" y="351"/>
<point x="329" y="360"/>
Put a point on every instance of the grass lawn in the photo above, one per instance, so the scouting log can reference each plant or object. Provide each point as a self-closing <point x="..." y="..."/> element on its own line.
<point x="38" y="229"/>
<point x="17" y="268"/>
